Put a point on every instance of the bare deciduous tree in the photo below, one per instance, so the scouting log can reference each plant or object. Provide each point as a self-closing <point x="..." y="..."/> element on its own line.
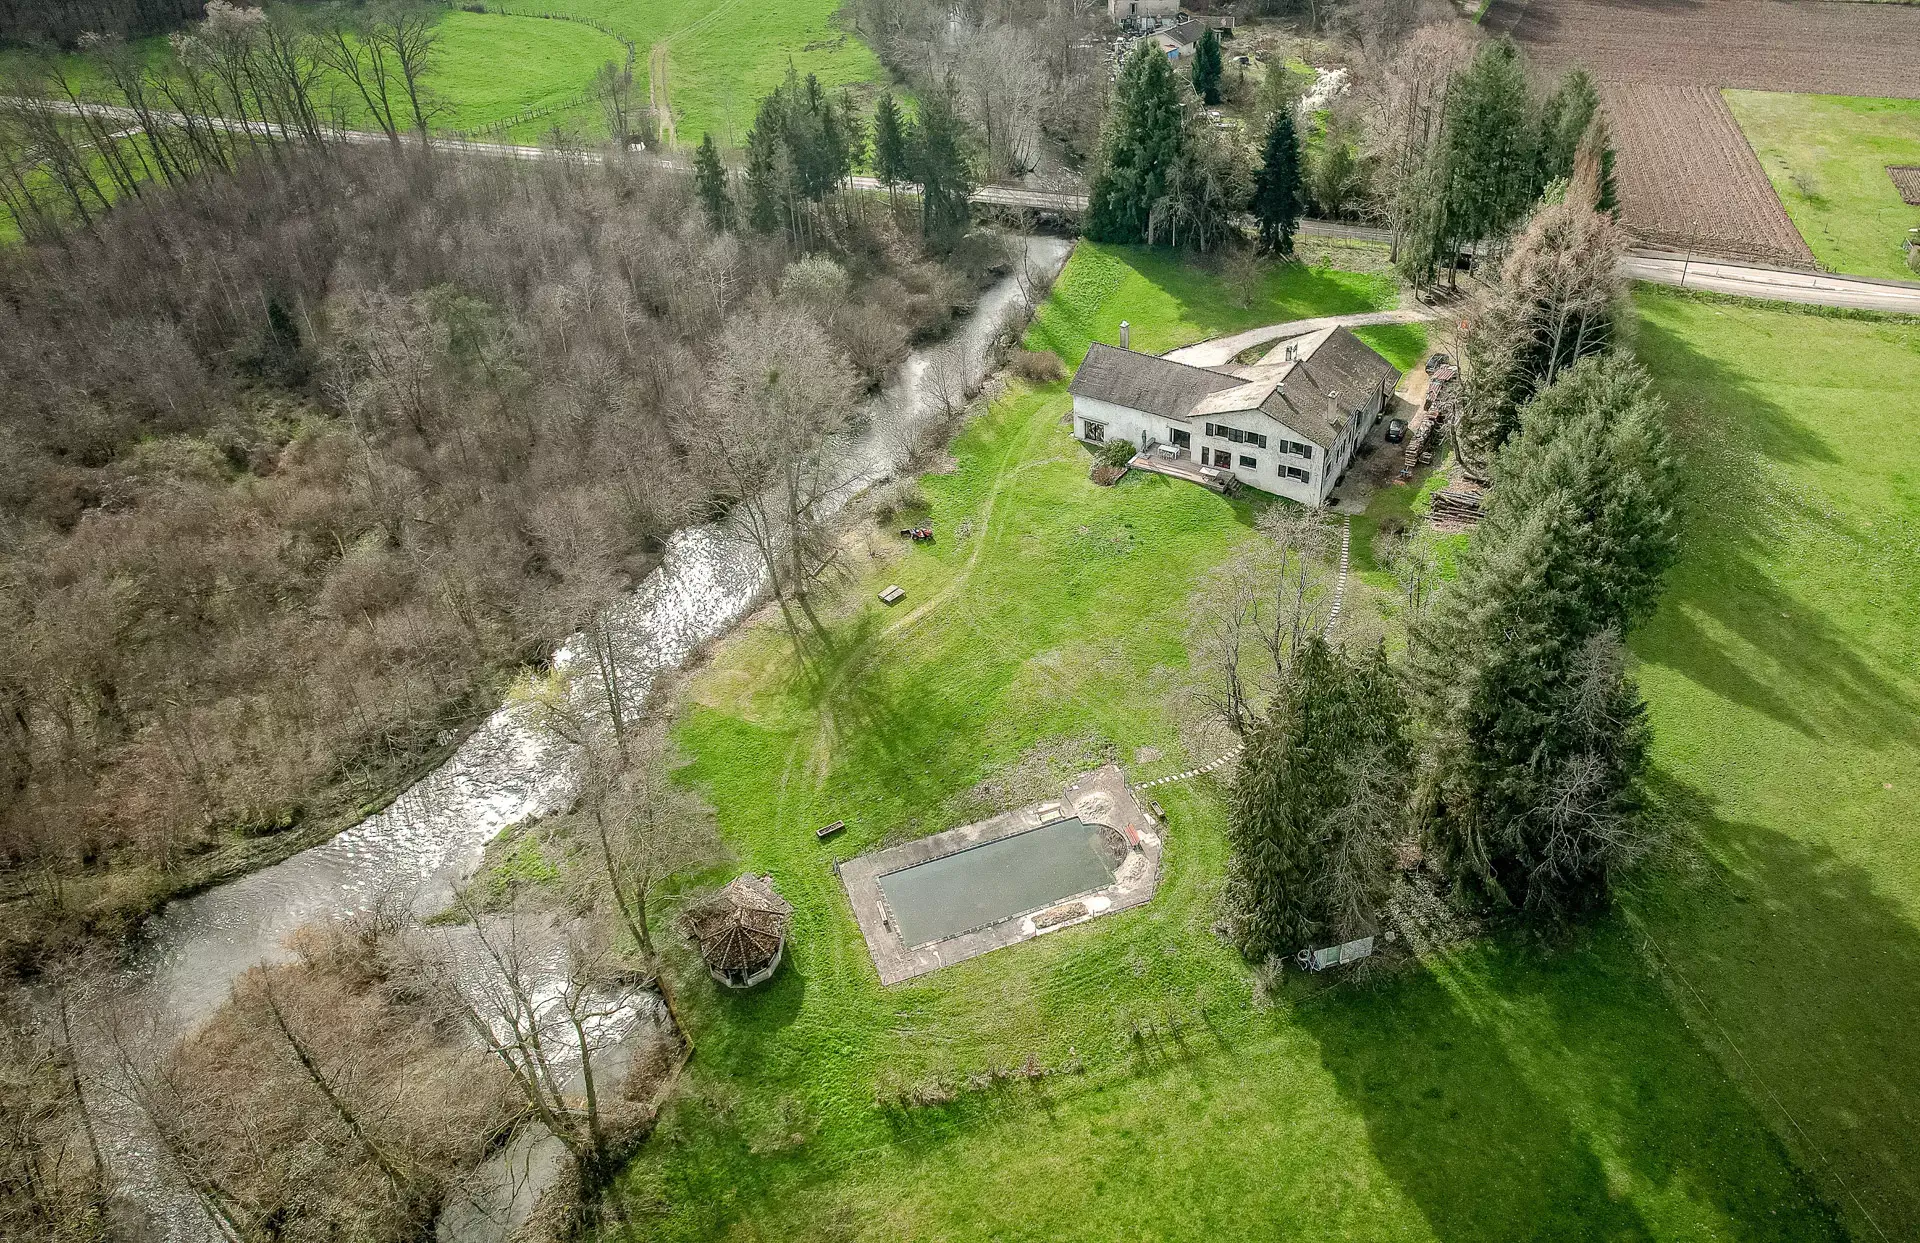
<point x="1263" y="605"/>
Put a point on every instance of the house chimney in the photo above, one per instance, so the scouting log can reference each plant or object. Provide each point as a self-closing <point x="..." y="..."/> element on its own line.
<point x="1123" y="334"/>
<point x="1333" y="405"/>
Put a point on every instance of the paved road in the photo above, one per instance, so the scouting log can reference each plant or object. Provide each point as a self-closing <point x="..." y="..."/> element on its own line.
<point x="1225" y="349"/>
<point x="1773" y="284"/>
<point x="1656" y="266"/>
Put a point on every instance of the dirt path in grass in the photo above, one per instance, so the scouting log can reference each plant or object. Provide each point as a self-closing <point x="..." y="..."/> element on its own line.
<point x="657" y="96"/>
<point x="820" y="757"/>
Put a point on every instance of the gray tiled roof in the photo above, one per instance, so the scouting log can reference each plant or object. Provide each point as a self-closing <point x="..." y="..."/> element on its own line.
<point x="1336" y="361"/>
<point x="1342" y="364"/>
<point x="1143" y="382"/>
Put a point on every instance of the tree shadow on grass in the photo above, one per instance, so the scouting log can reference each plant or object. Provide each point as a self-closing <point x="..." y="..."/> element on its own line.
<point x="1728" y="624"/>
<point x="1512" y="1095"/>
<point x="1804" y="979"/>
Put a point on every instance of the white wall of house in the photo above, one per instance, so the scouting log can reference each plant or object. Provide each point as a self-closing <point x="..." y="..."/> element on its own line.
<point x="1276" y="467"/>
<point x="1124" y="10"/>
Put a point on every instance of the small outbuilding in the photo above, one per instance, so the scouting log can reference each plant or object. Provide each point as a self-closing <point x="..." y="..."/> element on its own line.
<point x="740" y="931"/>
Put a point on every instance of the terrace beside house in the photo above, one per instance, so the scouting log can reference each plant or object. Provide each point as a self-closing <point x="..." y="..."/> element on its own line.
<point x="1288" y="424"/>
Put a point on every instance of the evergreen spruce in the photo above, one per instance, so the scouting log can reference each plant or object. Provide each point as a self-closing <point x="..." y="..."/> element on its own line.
<point x="1144" y="138"/>
<point x="1564" y="120"/>
<point x="1539" y="737"/>
<point x="1317" y="798"/>
<point x="1207" y="66"/>
<point x="1277" y="198"/>
<point x="800" y="151"/>
<point x="710" y="183"/>
<point x="892" y="145"/>
<point x="942" y="168"/>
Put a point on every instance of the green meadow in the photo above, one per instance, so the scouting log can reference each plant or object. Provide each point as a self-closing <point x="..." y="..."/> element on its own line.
<point x="1783" y="670"/>
<point x="1827" y="158"/>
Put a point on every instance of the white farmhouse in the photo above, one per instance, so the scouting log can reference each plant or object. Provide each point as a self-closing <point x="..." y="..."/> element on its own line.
<point x="1135" y="10"/>
<point x="1288" y="424"/>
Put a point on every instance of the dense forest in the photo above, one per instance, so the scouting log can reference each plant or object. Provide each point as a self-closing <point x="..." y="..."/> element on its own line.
<point x="304" y="460"/>
<point x="66" y="20"/>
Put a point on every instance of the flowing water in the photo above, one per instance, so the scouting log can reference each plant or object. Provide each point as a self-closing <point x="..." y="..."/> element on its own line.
<point x="506" y="770"/>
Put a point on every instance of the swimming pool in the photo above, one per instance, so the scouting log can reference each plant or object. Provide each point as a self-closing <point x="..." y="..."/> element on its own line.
<point x="989" y="883"/>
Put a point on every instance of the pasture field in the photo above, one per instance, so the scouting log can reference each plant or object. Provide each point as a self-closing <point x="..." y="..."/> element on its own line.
<point x="723" y="55"/>
<point x="491" y="67"/>
<point x="1783" y="670"/>
<point x="1827" y="158"/>
<point x="1488" y="1090"/>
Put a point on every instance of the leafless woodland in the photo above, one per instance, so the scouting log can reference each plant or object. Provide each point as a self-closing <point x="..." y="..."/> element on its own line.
<point x="304" y="460"/>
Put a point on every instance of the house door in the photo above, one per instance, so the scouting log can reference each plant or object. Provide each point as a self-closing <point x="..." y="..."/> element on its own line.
<point x="1180" y="438"/>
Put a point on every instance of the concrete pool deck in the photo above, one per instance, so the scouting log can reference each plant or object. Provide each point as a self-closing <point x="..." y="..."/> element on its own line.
<point x="1100" y="797"/>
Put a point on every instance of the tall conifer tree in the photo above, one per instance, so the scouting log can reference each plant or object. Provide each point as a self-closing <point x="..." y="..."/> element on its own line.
<point x="1539" y="738"/>
<point x="710" y="183"/>
<point x="1316" y="803"/>
<point x="1143" y="141"/>
<point x="892" y="145"/>
<point x="942" y="167"/>
<point x="1277" y="198"/>
<point x="1207" y="67"/>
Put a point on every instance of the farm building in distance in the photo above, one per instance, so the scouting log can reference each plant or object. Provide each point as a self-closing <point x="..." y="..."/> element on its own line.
<point x="1139" y="10"/>
<point x="1288" y="424"/>
<point x="1177" y="41"/>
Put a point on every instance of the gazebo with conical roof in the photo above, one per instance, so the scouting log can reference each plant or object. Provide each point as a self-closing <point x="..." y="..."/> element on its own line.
<point x="740" y="931"/>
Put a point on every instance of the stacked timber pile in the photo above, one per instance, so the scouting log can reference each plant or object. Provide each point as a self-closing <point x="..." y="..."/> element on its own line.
<point x="1457" y="507"/>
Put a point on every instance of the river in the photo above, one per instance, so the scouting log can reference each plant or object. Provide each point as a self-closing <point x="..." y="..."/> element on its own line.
<point x="432" y="835"/>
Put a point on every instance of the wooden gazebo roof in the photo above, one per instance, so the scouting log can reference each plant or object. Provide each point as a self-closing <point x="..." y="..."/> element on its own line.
<point x="742" y="927"/>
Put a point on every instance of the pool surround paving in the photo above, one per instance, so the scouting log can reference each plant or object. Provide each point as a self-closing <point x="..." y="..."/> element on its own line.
<point x="1100" y="797"/>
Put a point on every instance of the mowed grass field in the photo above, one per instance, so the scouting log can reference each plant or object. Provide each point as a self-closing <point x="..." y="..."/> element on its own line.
<point x="1494" y="1091"/>
<point x="1827" y="158"/>
<point x="723" y="55"/>
<point x="490" y="67"/>
<point x="1783" y="671"/>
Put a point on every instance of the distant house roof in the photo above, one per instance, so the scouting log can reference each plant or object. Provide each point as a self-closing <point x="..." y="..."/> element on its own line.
<point x="1143" y="382"/>
<point x="1299" y="390"/>
<point x="742" y="927"/>
<point x="1181" y="34"/>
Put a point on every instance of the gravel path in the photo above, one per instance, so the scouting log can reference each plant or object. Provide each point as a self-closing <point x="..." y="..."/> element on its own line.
<point x="1225" y="349"/>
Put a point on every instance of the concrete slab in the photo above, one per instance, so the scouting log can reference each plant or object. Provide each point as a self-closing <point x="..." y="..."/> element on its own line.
<point x="1100" y="797"/>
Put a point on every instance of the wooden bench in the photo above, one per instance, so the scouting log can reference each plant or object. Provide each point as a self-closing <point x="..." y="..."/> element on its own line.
<point x="893" y="595"/>
<point x="829" y="830"/>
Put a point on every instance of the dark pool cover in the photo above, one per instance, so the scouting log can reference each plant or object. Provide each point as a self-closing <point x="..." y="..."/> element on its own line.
<point x="986" y="884"/>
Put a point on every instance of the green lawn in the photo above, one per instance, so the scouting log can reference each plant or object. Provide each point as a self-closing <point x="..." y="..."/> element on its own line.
<point x="1784" y="675"/>
<point x="1827" y="157"/>
<point x="489" y="67"/>
<point x="1494" y="1093"/>
<point x="723" y="55"/>
<point x="493" y="66"/>
<point x="1168" y="301"/>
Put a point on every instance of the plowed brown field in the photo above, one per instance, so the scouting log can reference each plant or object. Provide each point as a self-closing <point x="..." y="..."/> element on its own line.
<point x="1687" y="176"/>
<point x="1688" y="179"/>
<point x="1804" y="46"/>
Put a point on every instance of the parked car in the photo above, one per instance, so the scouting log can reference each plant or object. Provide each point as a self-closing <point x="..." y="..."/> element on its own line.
<point x="1436" y="362"/>
<point x="1396" y="431"/>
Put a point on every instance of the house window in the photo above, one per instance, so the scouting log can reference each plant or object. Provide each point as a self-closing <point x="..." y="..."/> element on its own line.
<point x="1301" y="476"/>
<point x="1096" y="432"/>
<point x="1259" y="439"/>
<point x="1249" y="463"/>
<point x="1179" y="437"/>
